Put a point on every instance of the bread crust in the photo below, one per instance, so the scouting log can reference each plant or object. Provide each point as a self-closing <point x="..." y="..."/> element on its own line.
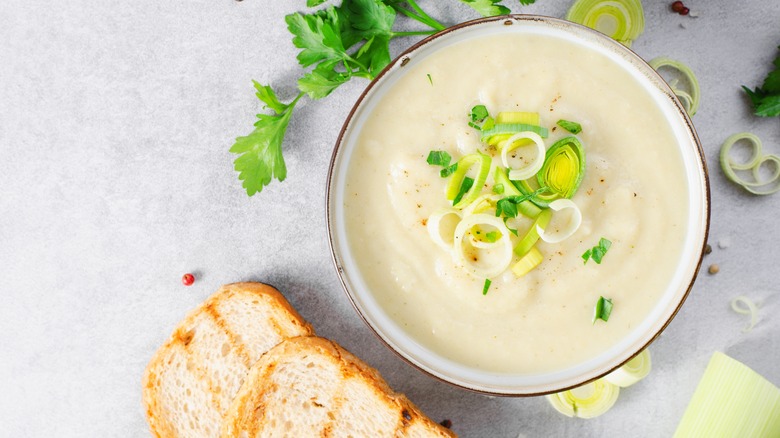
<point x="178" y="347"/>
<point x="246" y="415"/>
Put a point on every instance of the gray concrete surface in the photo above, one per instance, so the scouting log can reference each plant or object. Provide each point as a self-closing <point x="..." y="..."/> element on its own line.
<point x="115" y="179"/>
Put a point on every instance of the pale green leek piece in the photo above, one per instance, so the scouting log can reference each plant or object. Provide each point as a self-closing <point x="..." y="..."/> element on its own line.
<point x="761" y="184"/>
<point x="731" y="401"/>
<point x="690" y="100"/>
<point x="622" y="20"/>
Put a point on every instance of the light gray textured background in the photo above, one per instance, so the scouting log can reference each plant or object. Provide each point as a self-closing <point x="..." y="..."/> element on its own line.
<point x="115" y="179"/>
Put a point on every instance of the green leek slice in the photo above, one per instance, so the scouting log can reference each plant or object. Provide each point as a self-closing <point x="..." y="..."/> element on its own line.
<point x="502" y="131"/>
<point x="569" y="228"/>
<point x="532" y="235"/>
<point x="504" y="244"/>
<point x="761" y="185"/>
<point x="518" y="117"/>
<point x="526" y="208"/>
<point x="563" y="169"/>
<point x="438" y="228"/>
<point x="633" y="371"/>
<point x="528" y="262"/>
<point x="464" y="164"/>
<point x="690" y="100"/>
<point x="536" y="163"/>
<point x="731" y="401"/>
<point x="622" y="20"/>
<point x="586" y="401"/>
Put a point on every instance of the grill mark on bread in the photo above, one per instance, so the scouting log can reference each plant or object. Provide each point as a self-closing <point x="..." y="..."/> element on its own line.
<point x="235" y="341"/>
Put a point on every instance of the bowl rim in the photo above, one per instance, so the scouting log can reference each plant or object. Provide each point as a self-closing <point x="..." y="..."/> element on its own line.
<point x="401" y="60"/>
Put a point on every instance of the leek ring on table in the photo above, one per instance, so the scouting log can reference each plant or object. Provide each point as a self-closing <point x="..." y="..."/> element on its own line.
<point x="690" y="100"/>
<point x="586" y="401"/>
<point x="622" y="20"/>
<point x="633" y="371"/>
<point x="749" y="309"/>
<point x="503" y="245"/>
<point x="536" y="163"/>
<point x="761" y="185"/>
<point x="571" y="226"/>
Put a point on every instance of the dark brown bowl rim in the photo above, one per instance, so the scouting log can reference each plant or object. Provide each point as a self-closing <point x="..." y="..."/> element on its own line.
<point x="509" y="20"/>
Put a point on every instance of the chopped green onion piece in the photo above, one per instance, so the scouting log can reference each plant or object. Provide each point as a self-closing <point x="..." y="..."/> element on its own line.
<point x="690" y="100"/>
<point x="602" y="310"/>
<point x="449" y="170"/>
<point x="622" y="20"/>
<point x="563" y="170"/>
<point x="761" y="184"/>
<point x="498" y="188"/>
<point x="633" y="371"/>
<point x="731" y="400"/>
<point x="749" y="309"/>
<point x="573" y="127"/>
<point x="464" y="187"/>
<point x="439" y="158"/>
<point x="532" y="235"/>
<point x="518" y="117"/>
<point x="499" y="132"/>
<point x="586" y="401"/>
<point x="486" y="286"/>
<point x="597" y="252"/>
<point x="528" y="262"/>
<point x="455" y="187"/>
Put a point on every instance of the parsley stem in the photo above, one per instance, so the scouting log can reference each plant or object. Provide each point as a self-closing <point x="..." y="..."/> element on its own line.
<point x="422" y="17"/>
<point x="421" y="32"/>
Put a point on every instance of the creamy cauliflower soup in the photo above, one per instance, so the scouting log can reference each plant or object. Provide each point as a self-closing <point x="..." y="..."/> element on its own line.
<point x="633" y="193"/>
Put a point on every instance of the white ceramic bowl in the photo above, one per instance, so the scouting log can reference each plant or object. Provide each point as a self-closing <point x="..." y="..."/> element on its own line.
<point x="503" y="384"/>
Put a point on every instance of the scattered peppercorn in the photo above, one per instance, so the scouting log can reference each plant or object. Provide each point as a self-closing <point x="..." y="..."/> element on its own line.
<point x="714" y="269"/>
<point x="685" y="11"/>
<point x="447" y="424"/>
<point x="707" y="249"/>
<point x="187" y="279"/>
<point x="680" y="8"/>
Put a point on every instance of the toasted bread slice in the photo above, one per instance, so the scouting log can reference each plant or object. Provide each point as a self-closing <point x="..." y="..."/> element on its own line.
<point x="310" y="386"/>
<point x="192" y="379"/>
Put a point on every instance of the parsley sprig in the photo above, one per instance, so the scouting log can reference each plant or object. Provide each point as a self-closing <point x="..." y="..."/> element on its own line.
<point x="766" y="99"/>
<point x="337" y="43"/>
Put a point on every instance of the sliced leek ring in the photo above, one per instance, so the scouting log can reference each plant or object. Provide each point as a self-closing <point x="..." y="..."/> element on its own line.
<point x="749" y="308"/>
<point x="437" y="232"/>
<point x="633" y="371"/>
<point x="464" y="164"/>
<point x="690" y="100"/>
<point x="528" y="262"/>
<point x="586" y="401"/>
<point x="503" y="245"/>
<point x="481" y="204"/>
<point x="563" y="169"/>
<point x="515" y="142"/>
<point x="622" y="20"/>
<point x="571" y="226"/>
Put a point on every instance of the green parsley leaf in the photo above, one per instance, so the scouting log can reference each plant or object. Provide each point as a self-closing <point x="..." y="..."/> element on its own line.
<point x="321" y="81"/>
<point x="479" y="113"/>
<point x="369" y="17"/>
<point x="449" y="170"/>
<point x="487" y="8"/>
<point x="498" y="189"/>
<point x="506" y="207"/>
<point x="313" y="3"/>
<point x="319" y="38"/>
<point x="429" y="78"/>
<point x="602" y="310"/>
<point x="766" y="100"/>
<point x="527" y="2"/>
<point x="486" y="286"/>
<point x="260" y="153"/>
<point x="573" y="127"/>
<point x="492" y="236"/>
<point x="464" y="187"/>
<point x="439" y="158"/>
<point x="597" y="252"/>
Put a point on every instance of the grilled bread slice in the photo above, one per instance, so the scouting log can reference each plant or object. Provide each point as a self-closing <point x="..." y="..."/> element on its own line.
<point x="192" y="379"/>
<point x="311" y="387"/>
